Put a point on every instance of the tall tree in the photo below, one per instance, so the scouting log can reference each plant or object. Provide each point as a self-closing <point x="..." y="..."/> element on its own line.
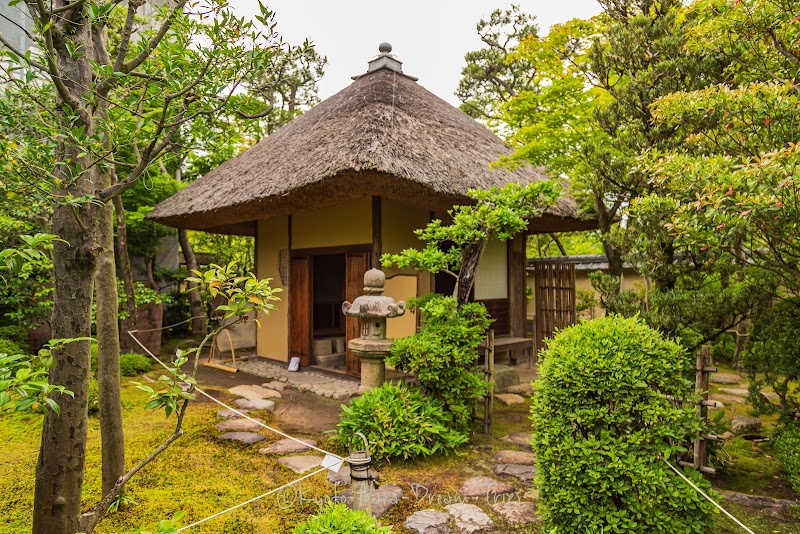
<point x="488" y="80"/>
<point x="141" y="95"/>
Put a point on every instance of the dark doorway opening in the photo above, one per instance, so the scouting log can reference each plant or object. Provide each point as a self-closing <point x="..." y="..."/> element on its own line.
<point x="329" y="293"/>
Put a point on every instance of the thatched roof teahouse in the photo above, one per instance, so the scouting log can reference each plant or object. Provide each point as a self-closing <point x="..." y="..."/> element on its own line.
<point x="345" y="181"/>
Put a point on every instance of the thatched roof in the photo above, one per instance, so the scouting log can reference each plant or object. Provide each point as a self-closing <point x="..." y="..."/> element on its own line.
<point x="383" y="135"/>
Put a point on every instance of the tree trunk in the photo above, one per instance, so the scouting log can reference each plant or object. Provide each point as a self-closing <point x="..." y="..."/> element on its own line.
<point x="126" y="342"/>
<point x="195" y="302"/>
<point x="604" y="222"/>
<point x="62" y="453"/>
<point x="108" y="349"/>
<point x="470" y="258"/>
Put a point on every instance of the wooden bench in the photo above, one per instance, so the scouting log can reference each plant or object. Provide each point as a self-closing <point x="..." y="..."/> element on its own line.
<point x="505" y="344"/>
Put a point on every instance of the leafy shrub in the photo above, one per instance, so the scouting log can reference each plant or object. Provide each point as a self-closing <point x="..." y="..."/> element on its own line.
<point x="133" y="364"/>
<point x="337" y="518"/>
<point x="602" y="426"/>
<point x="399" y="422"/>
<point x="10" y="347"/>
<point x="444" y="353"/>
<point x="130" y="364"/>
<point x="771" y="359"/>
<point x="15" y="333"/>
<point x="787" y="446"/>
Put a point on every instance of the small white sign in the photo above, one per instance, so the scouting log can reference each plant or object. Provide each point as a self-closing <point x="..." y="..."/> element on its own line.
<point x="294" y="365"/>
<point x="332" y="463"/>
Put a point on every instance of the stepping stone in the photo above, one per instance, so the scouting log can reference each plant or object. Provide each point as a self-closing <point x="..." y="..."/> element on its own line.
<point x="288" y="446"/>
<point x="241" y="425"/>
<point x="725" y="378"/>
<point x="226" y="413"/>
<point x="738" y="392"/>
<point x="523" y="472"/>
<point x="300" y="464"/>
<point x="742" y="424"/>
<point x="727" y="399"/>
<point x="248" y="438"/>
<point x="520" y="389"/>
<point x="254" y="392"/>
<point x="515" y="457"/>
<point x="255" y="404"/>
<point x="484" y="487"/>
<point x="517" y="512"/>
<point x="519" y="438"/>
<point x="429" y="522"/>
<point x="469" y="518"/>
<point x="275" y="385"/>
<point x="509" y="399"/>
<point x="383" y="498"/>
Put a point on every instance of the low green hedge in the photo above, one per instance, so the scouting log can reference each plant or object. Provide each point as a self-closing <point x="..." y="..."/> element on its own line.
<point x="130" y="364"/>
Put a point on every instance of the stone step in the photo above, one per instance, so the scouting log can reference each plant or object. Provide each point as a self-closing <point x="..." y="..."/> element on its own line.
<point x="248" y="438"/>
<point x="519" y="438"/>
<point x="300" y="464"/>
<point x="525" y="473"/>
<point x="484" y="487"/>
<point x="509" y="399"/>
<point x="253" y="392"/>
<point x="514" y="457"/>
<point x="469" y="518"/>
<point x="240" y="425"/>
<point x="517" y="513"/>
<point x="288" y="446"/>
<point x="225" y="413"/>
<point x="255" y="404"/>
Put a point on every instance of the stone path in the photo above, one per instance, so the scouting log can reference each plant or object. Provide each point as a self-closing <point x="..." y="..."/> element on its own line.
<point x="318" y="383"/>
<point x="509" y="399"/>
<point x="288" y="446"/>
<point x="519" y="438"/>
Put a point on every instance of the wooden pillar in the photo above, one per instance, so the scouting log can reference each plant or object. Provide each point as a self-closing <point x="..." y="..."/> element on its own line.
<point x="516" y="286"/>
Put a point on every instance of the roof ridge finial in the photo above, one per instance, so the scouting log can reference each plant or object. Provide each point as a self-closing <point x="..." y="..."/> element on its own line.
<point x="385" y="60"/>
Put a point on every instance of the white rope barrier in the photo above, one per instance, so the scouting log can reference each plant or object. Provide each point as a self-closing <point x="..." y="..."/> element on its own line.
<point x="254" y="499"/>
<point x="709" y="499"/>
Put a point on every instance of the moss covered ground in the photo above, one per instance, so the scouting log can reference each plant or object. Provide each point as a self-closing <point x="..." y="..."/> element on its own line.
<point x="200" y="475"/>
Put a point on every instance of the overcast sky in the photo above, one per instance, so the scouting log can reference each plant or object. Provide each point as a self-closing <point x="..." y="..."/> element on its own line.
<point x="429" y="36"/>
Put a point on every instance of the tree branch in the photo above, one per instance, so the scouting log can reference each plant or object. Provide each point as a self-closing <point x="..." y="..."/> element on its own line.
<point x="20" y="55"/>
<point x="153" y="43"/>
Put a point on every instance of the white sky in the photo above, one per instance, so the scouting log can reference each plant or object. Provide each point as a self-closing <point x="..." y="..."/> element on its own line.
<point x="429" y="36"/>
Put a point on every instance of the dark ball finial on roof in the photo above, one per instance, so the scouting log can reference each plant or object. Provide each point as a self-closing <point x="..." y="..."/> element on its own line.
<point x="385" y="48"/>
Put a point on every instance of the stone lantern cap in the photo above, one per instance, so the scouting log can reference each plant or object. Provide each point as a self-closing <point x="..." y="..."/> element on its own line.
<point x="373" y="305"/>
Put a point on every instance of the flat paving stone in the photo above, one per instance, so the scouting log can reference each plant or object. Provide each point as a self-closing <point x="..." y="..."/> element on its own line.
<point x="275" y="385"/>
<point x="469" y="518"/>
<point x="523" y="472"/>
<point x="739" y="392"/>
<point x="255" y="404"/>
<point x="429" y="522"/>
<point x="520" y="389"/>
<point x="239" y="425"/>
<point x="516" y="512"/>
<point x="248" y="438"/>
<point x="383" y="498"/>
<point x="226" y="413"/>
<point x="253" y="392"/>
<point x="515" y="457"/>
<point x="509" y="399"/>
<point x="300" y="464"/>
<point x="519" y="438"/>
<point x="727" y="399"/>
<point x="484" y="487"/>
<point x="289" y="446"/>
<point x="725" y="378"/>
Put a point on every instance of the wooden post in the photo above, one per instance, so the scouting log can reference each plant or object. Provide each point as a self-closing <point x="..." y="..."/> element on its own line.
<point x="488" y="373"/>
<point x="701" y="387"/>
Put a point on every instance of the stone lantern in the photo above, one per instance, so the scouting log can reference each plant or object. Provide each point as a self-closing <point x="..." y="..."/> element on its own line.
<point x="373" y="309"/>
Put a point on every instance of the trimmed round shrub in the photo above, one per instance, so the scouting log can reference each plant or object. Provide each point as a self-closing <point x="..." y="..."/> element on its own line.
<point x="400" y="422"/>
<point x="787" y="446"/>
<point x="338" y="518"/>
<point x="602" y="424"/>
<point x="133" y="364"/>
